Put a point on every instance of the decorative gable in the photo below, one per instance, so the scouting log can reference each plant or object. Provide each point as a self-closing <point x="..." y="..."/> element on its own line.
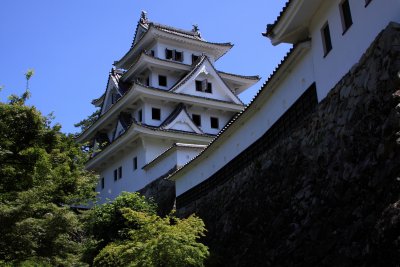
<point x="114" y="90"/>
<point x="180" y="120"/>
<point x="204" y="81"/>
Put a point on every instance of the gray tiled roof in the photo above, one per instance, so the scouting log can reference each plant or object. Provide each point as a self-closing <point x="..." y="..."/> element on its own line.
<point x="270" y="27"/>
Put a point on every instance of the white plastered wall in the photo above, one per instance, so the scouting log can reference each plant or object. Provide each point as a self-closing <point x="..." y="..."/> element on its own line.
<point x="347" y="48"/>
<point x="290" y="89"/>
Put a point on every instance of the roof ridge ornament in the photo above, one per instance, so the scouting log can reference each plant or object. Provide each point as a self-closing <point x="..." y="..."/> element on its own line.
<point x="196" y="30"/>
<point x="143" y="17"/>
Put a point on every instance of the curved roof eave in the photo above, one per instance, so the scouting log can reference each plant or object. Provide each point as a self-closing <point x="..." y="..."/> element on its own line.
<point x="225" y="47"/>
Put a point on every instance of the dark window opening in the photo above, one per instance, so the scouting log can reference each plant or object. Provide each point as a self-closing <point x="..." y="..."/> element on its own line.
<point x="152" y="53"/>
<point x="168" y="53"/>
<point x="173" y="55"/>
<point x="178" y="56"/>
<point x="194" y="58"/>
<point x="203" y="86"/>
<point x="209" y="88"/>
<point x="198" y="86"/>
<point x="345" y="12"/>
<point x="196" y="119"/>
<point x="135" y="163"/>
<point x="326" y="39"/>
<point x="115" y="174"/>
<point x="162" y="80"/>
<point x="102" y="183"/>
<point x="140" y="116"/>
<point x="120" y="172"/>
<point x="156" y="114"/>
<point x="148" y="81"/>
<point x="214" y="123"/>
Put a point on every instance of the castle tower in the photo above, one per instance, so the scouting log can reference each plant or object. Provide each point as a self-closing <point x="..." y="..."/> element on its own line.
<point x="164" y="102"/>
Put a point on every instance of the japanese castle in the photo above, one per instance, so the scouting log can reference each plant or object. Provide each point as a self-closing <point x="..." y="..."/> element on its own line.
<point x="163" y="104"/>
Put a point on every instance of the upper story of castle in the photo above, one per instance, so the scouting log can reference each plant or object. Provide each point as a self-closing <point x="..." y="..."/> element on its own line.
<point x="167" y="81"/>
<point x="170" y="43"/>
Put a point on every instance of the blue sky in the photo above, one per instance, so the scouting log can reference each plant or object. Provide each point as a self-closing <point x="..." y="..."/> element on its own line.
<point x="72" y="44"/>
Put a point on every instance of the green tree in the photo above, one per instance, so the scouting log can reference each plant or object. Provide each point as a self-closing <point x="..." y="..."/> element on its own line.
<point x="42" y="177"/>
<point x="86" y="123"/>
<point x="105" y="223"/>
<point x="131" y="234"/>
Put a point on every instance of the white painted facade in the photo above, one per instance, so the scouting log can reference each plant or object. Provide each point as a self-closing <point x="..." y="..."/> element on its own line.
<point x="300" y="24"/>
<point x="159" y="112"/>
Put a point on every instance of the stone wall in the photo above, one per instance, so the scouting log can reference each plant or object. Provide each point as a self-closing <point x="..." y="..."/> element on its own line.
<point x="162" y="192"/>
<point x="329" y="194"/>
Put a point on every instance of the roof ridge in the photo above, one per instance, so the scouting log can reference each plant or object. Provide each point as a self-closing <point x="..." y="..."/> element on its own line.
<point x="253" y="77"/>
<point x="189" y="74"/>
<point x="270" y="27"/>
<point x="188" y="32"/>
<point x="173" y="115"/>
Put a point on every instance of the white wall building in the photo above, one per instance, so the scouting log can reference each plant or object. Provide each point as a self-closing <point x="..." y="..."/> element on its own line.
<point x="164" y="101"/>
<point x="328" y="38"/>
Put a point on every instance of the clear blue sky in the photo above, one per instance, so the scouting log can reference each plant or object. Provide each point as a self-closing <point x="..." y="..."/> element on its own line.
<point x="71" y="44"/>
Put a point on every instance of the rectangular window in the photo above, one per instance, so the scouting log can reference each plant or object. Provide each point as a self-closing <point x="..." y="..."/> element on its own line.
<point x="209" y="88"/>
<point x="152" y="53"/>
<point x="345" y="13"/>
<point x="194" y="58"/>
<point x="102" y="183"/>
<point x="178" y="56"/>
<point x="198" y="86"/>
<point x="162" y="80"/>
<point x="148" y="81"/>
<point x="135" y="163"/>
<point x="115" y="174"/>
<point x="140" y="116"/>
<point x="326" y="39"/>
<point x="173" y="55"/>
<point x="214" y="123"/>
<point x="168" y="53"/>
<point x="203" y="86"/>
<point x="196" y="119"/>
<point x="120" y="172"/>
<point x="156" y="114"/>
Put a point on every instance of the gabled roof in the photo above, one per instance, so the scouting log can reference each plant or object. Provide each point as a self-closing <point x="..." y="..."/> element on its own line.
<point x="180" y="116"/>
<point x="137" y="128"/>
<point x="242" y="81"/>
<point x="170" y="149"/>
<point x="198" y="67"/>
<point x="112" y="82"/>
<point x="156" y="30"/>
<point x="151" y="91"/>
<point x="144" y="23"/>
<point x="98" y="101"/>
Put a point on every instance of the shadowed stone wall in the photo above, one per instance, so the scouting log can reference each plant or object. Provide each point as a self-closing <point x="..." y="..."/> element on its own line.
<point x="329" y="194"/>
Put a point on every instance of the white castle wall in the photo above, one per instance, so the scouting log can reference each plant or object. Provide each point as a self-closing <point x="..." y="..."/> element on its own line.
<point x="347" y="48"/>
<point x="256" y="125"/>
<point x="312" y="67"/>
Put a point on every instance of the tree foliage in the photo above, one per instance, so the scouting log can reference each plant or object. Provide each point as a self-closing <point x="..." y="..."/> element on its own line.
<point x="42" y="176"/>
<point x="43" y="181"/>
<point x="105" y="223"/>
<point x="86" y="123"/>
<point x="144" y="238"/>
